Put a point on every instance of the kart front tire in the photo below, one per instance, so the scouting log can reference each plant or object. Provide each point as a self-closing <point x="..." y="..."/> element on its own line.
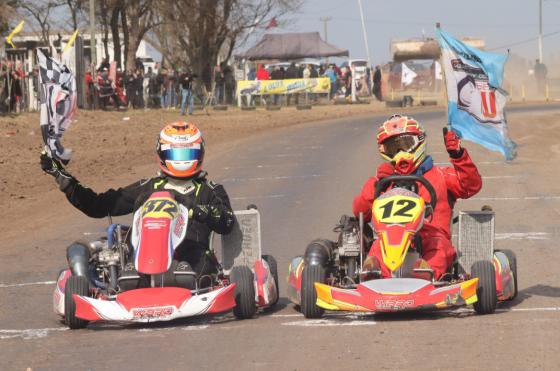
<point x="271" y="261"/>
<point x="310" y="275"/>
<point x="512" y="259"/>
<point x="245" y="306"/>
<point x="75" y="285"/>
<point x="486" y="289"/>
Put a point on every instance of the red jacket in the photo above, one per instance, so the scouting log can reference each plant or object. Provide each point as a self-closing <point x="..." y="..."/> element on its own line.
<point x="450" y="183"/>
<point x="262" y="74"/>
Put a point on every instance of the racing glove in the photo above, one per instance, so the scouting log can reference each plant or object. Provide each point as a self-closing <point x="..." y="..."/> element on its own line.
<point x="53" y="167"/>
<point x="452" y="143"/>
<point x="213" y="216"/>
<point x="201" y="213"/>
<point x="384" y="170"/>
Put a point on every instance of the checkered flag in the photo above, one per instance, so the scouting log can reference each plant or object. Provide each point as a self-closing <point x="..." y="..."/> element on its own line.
<point x="58" y="104"/>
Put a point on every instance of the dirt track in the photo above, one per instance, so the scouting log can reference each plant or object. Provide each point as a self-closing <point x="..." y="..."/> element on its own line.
<point x="322" y="165"/>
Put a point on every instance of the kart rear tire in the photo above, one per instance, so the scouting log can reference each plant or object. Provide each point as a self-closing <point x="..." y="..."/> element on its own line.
<point x="486" y="289"/>
<point x="310" y="275"/>
<point x="245" y="306"/>
<point x="75" y="285"/>
<point x="273" y="265"/>
<point x="512" y="259"/>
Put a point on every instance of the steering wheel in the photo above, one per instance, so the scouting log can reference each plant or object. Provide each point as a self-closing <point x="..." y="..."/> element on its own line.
<point x="384" y="183"/>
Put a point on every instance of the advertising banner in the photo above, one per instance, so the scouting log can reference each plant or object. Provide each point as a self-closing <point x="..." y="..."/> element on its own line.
<point x="321" y="85"/>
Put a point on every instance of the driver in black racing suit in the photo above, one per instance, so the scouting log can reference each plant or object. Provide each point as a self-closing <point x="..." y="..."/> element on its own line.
<point x="180" y="149"/>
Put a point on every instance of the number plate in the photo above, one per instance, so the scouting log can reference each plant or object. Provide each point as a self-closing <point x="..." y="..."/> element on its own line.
<point x="398" y="209"/>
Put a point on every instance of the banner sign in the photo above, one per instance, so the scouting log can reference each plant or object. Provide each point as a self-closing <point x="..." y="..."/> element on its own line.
<point x="321" y="85"/>
<point x="476" y="100"/>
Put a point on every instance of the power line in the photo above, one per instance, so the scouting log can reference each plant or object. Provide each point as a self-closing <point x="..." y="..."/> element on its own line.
<point x="525" y="41"/>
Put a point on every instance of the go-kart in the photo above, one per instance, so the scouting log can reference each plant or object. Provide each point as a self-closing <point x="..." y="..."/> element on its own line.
<point x="332" y="274"/>
<point x="130" y="275"/>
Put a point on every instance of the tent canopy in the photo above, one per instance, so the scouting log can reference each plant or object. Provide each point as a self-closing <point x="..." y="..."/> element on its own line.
<point x="293" y="46"/>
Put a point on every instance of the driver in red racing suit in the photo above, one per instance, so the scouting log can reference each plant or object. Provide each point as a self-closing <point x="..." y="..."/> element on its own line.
<point x="401" y="141"/>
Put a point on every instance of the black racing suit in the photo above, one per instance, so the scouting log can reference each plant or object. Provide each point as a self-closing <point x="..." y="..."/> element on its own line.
<point x="190" y="193"/>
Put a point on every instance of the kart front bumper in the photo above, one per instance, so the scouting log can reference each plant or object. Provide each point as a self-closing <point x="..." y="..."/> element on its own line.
<point x="155" y="304"/>
<point x="396" y="294"/>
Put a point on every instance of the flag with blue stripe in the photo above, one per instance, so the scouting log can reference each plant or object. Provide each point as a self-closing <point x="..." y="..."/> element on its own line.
<point x="476" y="100"/>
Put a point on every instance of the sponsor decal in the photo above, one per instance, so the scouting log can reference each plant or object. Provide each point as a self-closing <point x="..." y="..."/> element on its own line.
<point x="154" y="224"/>
<point x="179" y="225"/>
<point x="160" y="208"/>
<point x="152" y="313"/>
<point x="395" y="304"/>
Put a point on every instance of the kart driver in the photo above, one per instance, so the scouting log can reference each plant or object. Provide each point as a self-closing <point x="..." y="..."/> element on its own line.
<point x="401" y="142"/>
<point x="180" y="148"/>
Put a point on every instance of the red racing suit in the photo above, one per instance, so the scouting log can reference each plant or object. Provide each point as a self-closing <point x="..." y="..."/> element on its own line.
<point x="450" y="183"/>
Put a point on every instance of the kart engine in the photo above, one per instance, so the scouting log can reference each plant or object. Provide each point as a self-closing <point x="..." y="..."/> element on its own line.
<point x="110" y="258"/>
<point x="348" y="249"/>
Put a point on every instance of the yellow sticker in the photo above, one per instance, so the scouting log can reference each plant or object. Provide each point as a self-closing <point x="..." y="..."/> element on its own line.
<point x="398" y="209"/>
<point x="160" y="208"/>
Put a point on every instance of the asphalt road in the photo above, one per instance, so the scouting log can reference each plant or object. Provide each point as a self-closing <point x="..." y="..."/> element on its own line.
<point x="303" y="179"/>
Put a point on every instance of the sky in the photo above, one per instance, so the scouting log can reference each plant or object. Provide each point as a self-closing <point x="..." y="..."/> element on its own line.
<point x="498" y="22"/>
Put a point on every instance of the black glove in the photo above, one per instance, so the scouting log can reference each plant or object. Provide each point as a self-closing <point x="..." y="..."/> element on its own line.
<point x="201" y="213"/>
<point x="53" y="167"/>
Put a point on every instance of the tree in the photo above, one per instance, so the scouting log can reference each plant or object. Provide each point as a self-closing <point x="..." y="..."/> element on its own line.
<point x="75" y="7"/>
<point x="137" y="20"/>
<point x="40" y="12"/>
<point x="7" y="12"/>
<point x="196" y="32"/>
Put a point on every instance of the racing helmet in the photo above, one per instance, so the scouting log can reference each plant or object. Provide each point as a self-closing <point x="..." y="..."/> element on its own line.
<point x="402" y="140"/>
<point x="180" y="149"/>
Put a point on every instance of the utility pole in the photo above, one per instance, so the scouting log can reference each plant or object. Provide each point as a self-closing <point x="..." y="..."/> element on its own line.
<point x="325" y="21"/>
<point x="365" y="41"/>
<point x="92" y="41"/>
<point x="540" y="32"/>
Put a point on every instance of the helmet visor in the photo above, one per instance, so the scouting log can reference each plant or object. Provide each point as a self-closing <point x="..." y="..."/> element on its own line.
<point x="181" y="154"/>
<point x="394" y="145"/>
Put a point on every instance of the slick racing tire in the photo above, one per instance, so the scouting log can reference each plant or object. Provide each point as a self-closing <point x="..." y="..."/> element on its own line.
<point x="512" y="259"/>
<point x="310" y="275"/>
<point x="486" y="289"/>
<point x="245" y="306"/>
<point x="271" y="261"/>
<point x="75" y="285"/>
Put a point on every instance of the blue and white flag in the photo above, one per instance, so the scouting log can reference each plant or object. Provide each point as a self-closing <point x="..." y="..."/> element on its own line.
<point x="476" y="100"/>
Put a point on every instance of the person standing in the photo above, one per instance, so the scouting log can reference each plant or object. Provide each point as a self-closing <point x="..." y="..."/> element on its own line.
<point x="163" y="81"/>
<point x="277" y="74"/>
<point x="331" y="74"/>
<point x="130" y="88"/>
<point x="139" y="87"/>
<point x="219" y="82"/>
<point x="262" y="73"/>
<point x="186" y="82"/>
<point x="377" y="84"/>
<point x="229" y="82"/>
<point x="540" y="75"/>
<point x="292" y="73"/>
<point x="171" y="87"/>
<point x="154" y="90"/>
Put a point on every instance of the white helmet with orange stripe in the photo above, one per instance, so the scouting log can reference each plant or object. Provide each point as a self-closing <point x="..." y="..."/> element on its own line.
<point x="180" y="149"/>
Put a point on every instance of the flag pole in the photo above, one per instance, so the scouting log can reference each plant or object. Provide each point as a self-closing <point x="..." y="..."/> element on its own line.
<point x="438" y="27"/>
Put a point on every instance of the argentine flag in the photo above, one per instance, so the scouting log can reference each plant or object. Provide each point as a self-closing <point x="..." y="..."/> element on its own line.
<point x="476" y="100"/>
